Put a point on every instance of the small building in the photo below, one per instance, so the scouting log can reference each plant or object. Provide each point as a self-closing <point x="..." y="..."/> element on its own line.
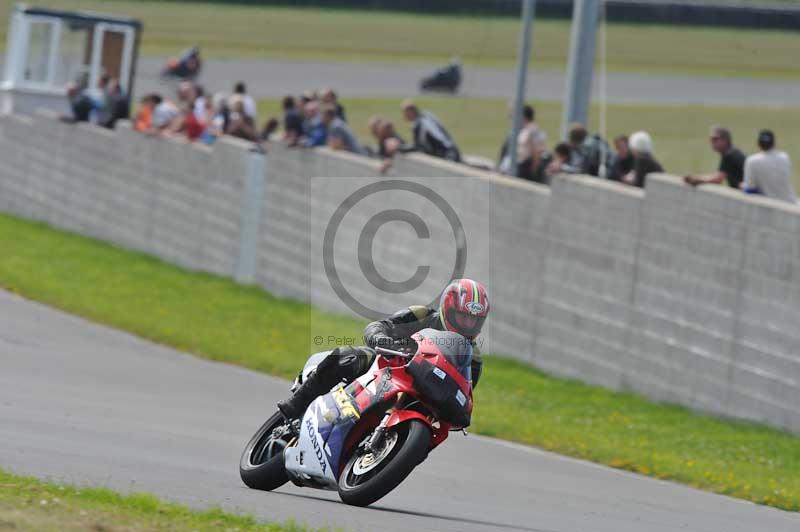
<point x="49" y="48"/>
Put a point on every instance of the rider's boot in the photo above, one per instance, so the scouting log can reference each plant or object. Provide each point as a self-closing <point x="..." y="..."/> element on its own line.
<point x="340" y="365"/>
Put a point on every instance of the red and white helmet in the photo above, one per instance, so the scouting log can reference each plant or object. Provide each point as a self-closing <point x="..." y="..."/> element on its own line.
<point x="463" y="307"/>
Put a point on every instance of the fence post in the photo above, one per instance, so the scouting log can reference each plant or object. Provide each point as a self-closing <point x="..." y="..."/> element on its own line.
<point x="252" y="200"/>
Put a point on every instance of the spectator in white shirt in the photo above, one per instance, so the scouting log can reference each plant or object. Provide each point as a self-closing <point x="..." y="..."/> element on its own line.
<point x="769" y="172"/>
<point x="247" y="100"/>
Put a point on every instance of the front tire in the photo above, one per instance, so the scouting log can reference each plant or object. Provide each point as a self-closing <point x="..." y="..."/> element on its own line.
<point x="261" y="466"/>
<point x="366" y="478"/>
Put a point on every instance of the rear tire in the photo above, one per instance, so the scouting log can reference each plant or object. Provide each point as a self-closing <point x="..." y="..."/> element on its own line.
<point x="261" y="465"/>
<point x="361" y="485"/>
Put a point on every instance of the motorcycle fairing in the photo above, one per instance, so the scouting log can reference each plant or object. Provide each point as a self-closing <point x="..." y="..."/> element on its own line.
<point x="323" y="431"/>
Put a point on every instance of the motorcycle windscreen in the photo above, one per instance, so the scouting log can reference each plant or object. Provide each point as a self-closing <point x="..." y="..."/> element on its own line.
<point x="456" y="349"/>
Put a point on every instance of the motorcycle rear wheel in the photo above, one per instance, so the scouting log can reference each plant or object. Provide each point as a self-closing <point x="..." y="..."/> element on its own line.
<point x="261" y="466"/>
<point x="366" y="478"/>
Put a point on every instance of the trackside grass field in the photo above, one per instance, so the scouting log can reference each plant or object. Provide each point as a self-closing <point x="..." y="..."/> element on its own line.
<point x="680" y="132"/>
<point x="216" y="318"/>
<point x="231" y="30"/>
<point x="29" y="504"/>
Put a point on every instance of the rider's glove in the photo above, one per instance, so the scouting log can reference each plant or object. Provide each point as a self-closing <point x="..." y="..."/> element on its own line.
<point x="381" y="340"/>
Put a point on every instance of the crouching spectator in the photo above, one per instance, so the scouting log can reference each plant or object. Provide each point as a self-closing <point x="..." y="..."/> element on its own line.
<point x="430" y="137"/>
<point x="769" y="172"/>
<point x="644" y="162"/>
<point x="731" y="162"/>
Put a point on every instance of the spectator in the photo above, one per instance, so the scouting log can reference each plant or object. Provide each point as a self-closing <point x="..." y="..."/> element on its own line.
<point x="292" y="122"/>
<point x="340" y="136"/>
<point x="189" y="124"/>
<point x="117" y="101"/>
<point x="530" y="145"/>
<point x="590" y="154"/>
<point x="329" y="97"/>
<point x="143" y="120"/>
<point x="389" y="142"/>
<point x="240" y="124"/>
<point x="769" y="172"/>
<point x="430" y="136"/>
<point x="562" y="161"/>
<point x="247" y="101"/>
<point x="731" y="163"/>
<point x="217" y="119"/>
<point x="80" y="103"/>
<point x="164" y="113"/>
<point x="644" y="162"/>
<point x="316" y="132"/>
<point x="623" y="159"/>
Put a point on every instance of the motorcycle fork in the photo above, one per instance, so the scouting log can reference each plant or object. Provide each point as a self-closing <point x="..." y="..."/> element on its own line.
<point x="375" y="441"/>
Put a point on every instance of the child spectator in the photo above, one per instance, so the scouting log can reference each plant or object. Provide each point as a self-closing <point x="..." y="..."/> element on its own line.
<point x="644" y="162"/>
<point x="731" y="162"/>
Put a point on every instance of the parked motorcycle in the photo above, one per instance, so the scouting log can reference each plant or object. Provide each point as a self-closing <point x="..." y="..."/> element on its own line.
<point x="365" y="438"/>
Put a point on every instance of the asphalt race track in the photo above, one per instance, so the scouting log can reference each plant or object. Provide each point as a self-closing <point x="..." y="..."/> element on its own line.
<point x="90" y="405"/>
<point x="276" y="78"/>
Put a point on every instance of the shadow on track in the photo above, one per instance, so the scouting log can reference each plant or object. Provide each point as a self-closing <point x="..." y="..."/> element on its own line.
<point x="464" y="520"/>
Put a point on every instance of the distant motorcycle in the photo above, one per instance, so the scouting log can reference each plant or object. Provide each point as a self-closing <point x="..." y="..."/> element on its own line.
<point x="185" y="67"/>
<point x="445" y="79"/>
<point x="365" y="438"/>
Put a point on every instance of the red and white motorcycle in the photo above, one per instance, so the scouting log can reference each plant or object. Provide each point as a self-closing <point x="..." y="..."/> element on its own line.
<point x="365" y="438"/>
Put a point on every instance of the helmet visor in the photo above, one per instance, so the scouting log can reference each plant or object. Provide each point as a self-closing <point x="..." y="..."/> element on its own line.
<point x="465" y="324"/>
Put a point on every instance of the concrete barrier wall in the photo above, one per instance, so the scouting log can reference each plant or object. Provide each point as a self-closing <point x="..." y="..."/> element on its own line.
<point x="685" y="295"/>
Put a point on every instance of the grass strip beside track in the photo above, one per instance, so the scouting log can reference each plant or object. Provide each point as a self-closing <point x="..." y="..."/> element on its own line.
<point x="391" y="37"/>
<point x="215" y="318"/>
<point x="30" y="504"/>
<point x="680" y="132"/>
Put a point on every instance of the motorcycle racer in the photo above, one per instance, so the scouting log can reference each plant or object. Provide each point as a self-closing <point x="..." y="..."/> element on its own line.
<point x="463" y="308"/>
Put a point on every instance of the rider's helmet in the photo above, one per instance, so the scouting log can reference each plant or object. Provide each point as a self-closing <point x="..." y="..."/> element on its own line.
<point x="463" y="307"/>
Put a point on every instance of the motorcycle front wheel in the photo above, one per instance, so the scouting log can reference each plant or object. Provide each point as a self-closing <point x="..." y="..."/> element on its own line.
<point x="369" y="476"/>
<point x="261" y="466"/>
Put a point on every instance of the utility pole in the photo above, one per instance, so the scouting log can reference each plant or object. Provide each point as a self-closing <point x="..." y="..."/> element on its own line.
<point x="585" y="18"/>
<point x="528" y="9"/>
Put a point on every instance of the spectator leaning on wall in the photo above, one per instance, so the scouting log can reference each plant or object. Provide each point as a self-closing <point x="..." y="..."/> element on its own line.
<point x="530" y="145"/>
<point x="731" y="162"/>
<point x="430" y="136"/>
<point x="644" y="162"/>
<point x="769" y="172"/>
<point x="340" y="136"/>
<point x="623" y="159"/>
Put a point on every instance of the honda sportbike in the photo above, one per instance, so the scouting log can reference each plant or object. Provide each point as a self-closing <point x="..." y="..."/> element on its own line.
<point x="365" y="438"/>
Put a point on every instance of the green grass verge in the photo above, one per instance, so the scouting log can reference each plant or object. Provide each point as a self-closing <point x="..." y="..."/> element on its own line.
<point x="680" y="132"/>
<point x="30" y="504"/>
<point x="368" y="35"/>
<point x="216" y="318"/>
